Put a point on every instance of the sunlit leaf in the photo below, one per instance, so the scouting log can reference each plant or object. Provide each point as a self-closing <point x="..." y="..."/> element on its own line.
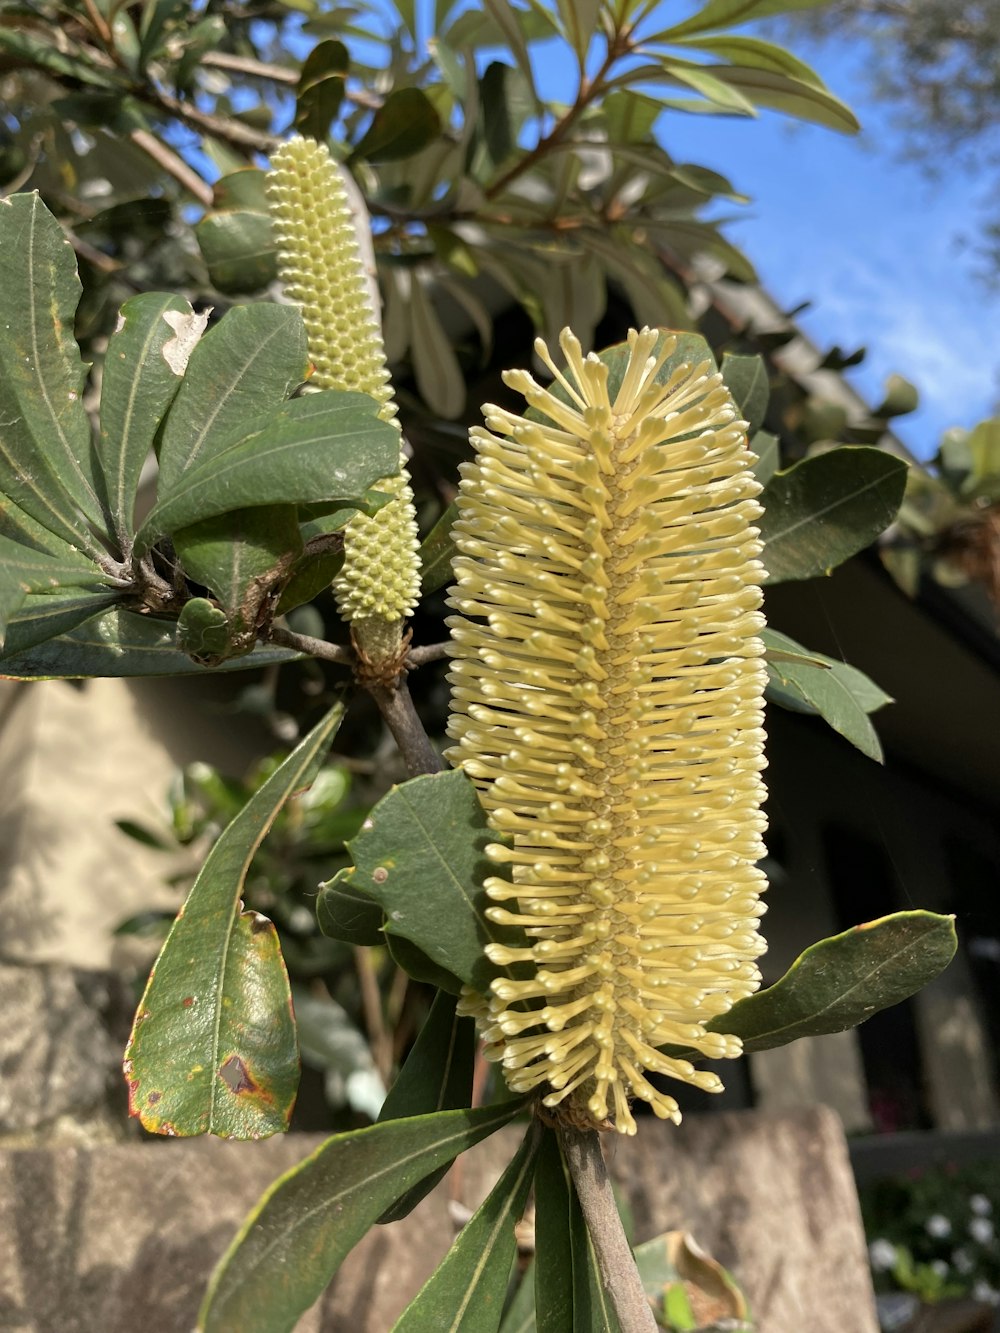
<point x="299" y="1234"/>
<point x="839" y="982"/>
<point x="321" y="89"/>
<point x="327" y="447"/>
<point x="405" y="123"/>
<point x="465" y="1294"/>
<point x="213" y="1047"/>
<point x="236" y="376"/>
<point x="143" y="368"/>
<point x="47" y="465"/>
<point x="421" y="855"/>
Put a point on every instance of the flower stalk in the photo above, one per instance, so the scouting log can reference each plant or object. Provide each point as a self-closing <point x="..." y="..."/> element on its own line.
<point x="323" y="273"/>
<point x="607" y="682"/>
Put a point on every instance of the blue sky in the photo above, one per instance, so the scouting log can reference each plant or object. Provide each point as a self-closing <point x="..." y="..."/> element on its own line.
<point x="843" y="223"/>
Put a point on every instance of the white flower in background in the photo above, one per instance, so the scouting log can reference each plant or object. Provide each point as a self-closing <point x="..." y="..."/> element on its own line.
<point x="882" y="1254"/>
<point x="980" y="1205"/>
<point x="981" y="1229"/>
<point x="962" y="1262"/>
<point x="938" y="1226"/>
<point x="939" y="1267"/>
<point x="983" y="1291"/>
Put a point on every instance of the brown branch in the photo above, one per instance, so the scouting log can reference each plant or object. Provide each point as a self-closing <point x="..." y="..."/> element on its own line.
<point x="400" y="716"/>
<point x="173" y="165"/>
<point x="305" y="643"/>
<point x="585" y="1160"/>
<point x="371" y="1004"/>
<point x="254" y="69"/>
<point x="229" y="131"/>
<point x="100" y="25"/>
<point x="588" y="91"/>
<point x="430" y="652"/>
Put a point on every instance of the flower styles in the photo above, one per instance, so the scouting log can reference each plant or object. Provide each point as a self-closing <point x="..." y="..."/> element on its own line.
<point x="607" y="687"/>
<point x="323" y="273"/>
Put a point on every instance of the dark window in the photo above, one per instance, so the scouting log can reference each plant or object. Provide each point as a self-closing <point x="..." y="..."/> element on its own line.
<point x="864" y="886"/>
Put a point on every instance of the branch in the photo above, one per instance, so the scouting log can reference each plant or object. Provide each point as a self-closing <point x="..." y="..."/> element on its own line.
<point x="230" y="131"/>
<point x="400" y="716"/>
<point x="430" y="652"/>
<point x="614" y="1258"/>
<point x="173" y="165"/>
<point x="305" y="643"/>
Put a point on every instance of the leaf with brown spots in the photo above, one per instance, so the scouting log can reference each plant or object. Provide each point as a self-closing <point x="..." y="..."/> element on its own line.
<point x="213" y="1047"/>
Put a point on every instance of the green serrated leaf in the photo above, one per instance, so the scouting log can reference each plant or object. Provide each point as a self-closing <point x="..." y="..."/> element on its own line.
<point x="143" y="369"/>
<point x="327" y="447"/>
<point x="746" y="379"/>
<point x="113" y="642"/>
<point x="237" y="375"/>
<point x="299" y="1234"/>
<point x="825" y="509"/>
<point x="437" y="552"/>
<point x="213" y="1047"/>
<point x="466" y="1292"/>
<point x="437" y="1076"/>
<point x="321" y="88"/>
<point x="405" y="123"/>
<point x="839" y="982"/>
<point x="421" y="855"/>
<point x="47" y="465"/>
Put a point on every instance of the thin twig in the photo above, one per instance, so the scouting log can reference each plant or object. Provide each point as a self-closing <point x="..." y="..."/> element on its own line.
<point x="400" y="716"/>
<point x="229" y="131"/>
<point x="614" y="1258"/>
<point x="430" y="652"/>
<point x="254" y="69"/>
<point x="305" y="643"/>
<point x="173" y="165"/>
<point x="371" y="1003"/>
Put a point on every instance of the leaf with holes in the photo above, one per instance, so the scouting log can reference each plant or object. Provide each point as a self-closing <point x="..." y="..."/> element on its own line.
<point x="296" y="1238"/>
<point x="143" y="370"/>
<point x="839" y="982"/>
<point x="465" y="1294"/>
<point x="213" y="1046"/>
<point x="237" y="375"/>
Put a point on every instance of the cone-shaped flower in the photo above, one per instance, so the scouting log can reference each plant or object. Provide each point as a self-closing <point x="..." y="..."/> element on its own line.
<point x="608" y="682"/>
<point x="321" y="267"/>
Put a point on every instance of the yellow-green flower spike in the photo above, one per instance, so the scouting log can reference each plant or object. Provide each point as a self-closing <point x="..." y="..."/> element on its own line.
<point x="608" y="682"/>
<point x="322" y="270"/>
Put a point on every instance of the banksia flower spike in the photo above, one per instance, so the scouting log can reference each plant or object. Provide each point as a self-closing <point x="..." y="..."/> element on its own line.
<point x="608" y="682"/>
<point x="323" y="273"/>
